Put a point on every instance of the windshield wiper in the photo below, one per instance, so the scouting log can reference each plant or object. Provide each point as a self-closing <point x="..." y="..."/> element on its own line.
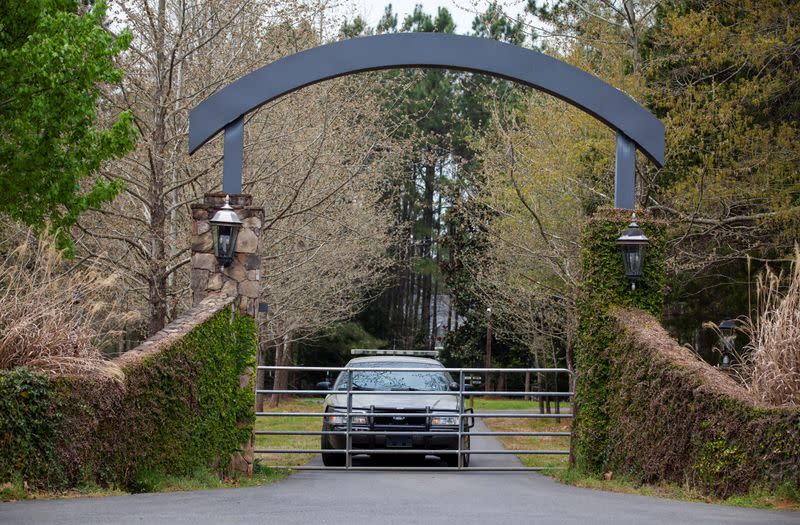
<point x="359" y="387"/>
<point x="407" y="389"/>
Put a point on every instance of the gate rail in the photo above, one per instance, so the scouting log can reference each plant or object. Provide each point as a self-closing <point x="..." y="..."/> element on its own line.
<point x="464" y="416"/>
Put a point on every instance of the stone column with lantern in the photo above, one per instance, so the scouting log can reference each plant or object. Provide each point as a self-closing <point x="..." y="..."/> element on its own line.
<point x="226" y="258"/>
<point x="239" y="272"/>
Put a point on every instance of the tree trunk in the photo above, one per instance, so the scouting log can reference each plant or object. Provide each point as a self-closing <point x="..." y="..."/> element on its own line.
<point x="157" y="283"/>
<point x="434" y="315"/>
<point x="527" y="385"/>
<point x="427" y="245"/>
<point x="261" y="375"/>
<point x="281" y="380"/>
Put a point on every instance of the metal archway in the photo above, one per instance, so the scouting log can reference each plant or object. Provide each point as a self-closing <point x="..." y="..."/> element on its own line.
<point x="635" y="126"/>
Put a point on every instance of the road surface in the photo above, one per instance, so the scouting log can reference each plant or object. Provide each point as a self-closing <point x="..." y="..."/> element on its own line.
<point x="387" y="498"/>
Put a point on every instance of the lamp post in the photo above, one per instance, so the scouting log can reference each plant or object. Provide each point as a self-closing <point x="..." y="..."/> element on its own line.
<point x="487" y="357"/>
<point x="225" y="227"/>
<point x="727" y="329"/>
<point x="633" y="242"/>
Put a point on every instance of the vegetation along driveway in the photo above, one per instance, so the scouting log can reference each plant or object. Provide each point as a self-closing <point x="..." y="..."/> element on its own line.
<point x="359" y="497"/>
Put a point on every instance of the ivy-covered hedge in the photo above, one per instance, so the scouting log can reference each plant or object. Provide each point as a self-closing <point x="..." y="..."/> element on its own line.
<point x="649" y="410"/>
<point x="180" y="406"/>
<point x="27" y="428"/>
<point x="672" y="417"/>
<point x="603" y="285"/>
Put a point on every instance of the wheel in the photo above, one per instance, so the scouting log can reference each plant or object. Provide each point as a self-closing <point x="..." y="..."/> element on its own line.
<point x="331" y="459"/>
<point x="452" y="459"/>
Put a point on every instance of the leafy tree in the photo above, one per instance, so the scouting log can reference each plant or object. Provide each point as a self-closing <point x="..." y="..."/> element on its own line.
<point x="422" y="105"/>
<point x="733" y="133"/>
<point x="723" y="77"/>
<point x="439" y="113"/>
<point x="355" y="28"/>
<point x="54" y="54"/>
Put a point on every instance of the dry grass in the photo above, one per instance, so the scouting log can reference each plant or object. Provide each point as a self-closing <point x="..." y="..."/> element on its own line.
<point x="54" y="312"/>
<point x="771" y="366"/>
<point x="534" y="442"/>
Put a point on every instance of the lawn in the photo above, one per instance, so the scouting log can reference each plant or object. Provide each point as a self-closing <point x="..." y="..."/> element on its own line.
<point x="528" y="425"/>
<point x="200" y="479"/>
<point x="493" y="403"/>
<point x="289" y="423"/>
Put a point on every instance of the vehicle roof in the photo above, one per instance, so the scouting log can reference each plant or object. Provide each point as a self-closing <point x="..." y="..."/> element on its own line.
<point x="394" y="359"/>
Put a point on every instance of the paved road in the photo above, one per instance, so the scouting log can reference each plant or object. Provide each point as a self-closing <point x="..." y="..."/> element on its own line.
<point x="387" y="498"/>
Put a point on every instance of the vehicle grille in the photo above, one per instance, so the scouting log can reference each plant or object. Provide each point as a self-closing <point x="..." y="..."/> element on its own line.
<point x="415" y="420"/>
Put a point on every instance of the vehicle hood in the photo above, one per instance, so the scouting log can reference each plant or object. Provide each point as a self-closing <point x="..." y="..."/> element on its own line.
<point x="364" y="400"/>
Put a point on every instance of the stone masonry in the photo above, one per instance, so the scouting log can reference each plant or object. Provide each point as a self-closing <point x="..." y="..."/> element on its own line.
<point x="240" y="280"/>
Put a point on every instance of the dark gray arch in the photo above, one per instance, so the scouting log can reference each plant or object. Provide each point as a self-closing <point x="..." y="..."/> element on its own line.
<point x="635" y="126"/>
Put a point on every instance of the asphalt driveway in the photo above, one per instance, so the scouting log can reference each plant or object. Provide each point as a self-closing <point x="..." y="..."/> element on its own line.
<point x="381" y="497"/>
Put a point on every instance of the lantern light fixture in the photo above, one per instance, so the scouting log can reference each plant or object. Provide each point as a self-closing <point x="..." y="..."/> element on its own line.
<point x="225" y="227"/>
<point x="633" y="242"/>
<point x="727" y="330"/>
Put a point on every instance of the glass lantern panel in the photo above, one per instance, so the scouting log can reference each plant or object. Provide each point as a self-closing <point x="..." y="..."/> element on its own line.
<point x="224" y="238"/>
<point x="633" y="261"/>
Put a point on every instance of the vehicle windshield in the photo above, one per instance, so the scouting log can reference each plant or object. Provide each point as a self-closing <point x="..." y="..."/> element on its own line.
<point x="434" y="380"/>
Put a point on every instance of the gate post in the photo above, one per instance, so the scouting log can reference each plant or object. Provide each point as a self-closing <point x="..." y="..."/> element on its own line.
<point x="603" y="286"/>
<point x="240" y="279"/>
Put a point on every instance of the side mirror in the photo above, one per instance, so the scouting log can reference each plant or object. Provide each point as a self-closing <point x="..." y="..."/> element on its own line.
<point x="454" y="387"/>
<point x="323" y="385"/>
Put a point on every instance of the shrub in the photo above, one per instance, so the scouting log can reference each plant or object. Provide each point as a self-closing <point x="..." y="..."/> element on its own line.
<point x="179" y="408"/>
<point x="27" y="428"/>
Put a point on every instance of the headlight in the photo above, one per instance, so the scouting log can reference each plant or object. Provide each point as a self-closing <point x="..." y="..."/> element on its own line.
<point x="337" y="420"/>
<point x="341" y="419"/>
<point x="444" y="421"/>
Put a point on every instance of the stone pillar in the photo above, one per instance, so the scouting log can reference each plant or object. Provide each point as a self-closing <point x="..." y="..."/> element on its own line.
<point x="603" y="286"/>
<point x="241" y="279"/>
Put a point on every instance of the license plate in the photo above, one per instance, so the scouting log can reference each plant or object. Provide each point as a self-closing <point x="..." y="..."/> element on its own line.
<point x="398" y="442"/>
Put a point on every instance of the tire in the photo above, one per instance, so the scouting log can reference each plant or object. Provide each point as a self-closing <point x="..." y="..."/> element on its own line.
<point x="331" y="459"/>
<point x="452" y="459"/>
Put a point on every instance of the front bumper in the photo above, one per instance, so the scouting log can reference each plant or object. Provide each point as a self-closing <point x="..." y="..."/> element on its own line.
<point x="378" y="441"/>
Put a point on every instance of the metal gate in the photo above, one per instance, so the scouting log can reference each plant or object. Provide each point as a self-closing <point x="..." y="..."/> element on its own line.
<point x="463" y="414"/>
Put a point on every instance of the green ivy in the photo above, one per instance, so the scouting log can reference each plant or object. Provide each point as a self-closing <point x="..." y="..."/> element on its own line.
<point x="27" y="428"/>
<point x="188" y="403"/>
<point x="671" y="421"/>
<point x="603" y="285"/>
<point x="716" y="462"/>
<point x="647" y="417"/>
<point x="177" y="410"/>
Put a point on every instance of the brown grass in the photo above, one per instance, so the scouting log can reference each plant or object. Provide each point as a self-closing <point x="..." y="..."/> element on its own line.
<point x="771" y="366"/>
<point x="534" y="442"/>
<point x="54" y="312"/>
